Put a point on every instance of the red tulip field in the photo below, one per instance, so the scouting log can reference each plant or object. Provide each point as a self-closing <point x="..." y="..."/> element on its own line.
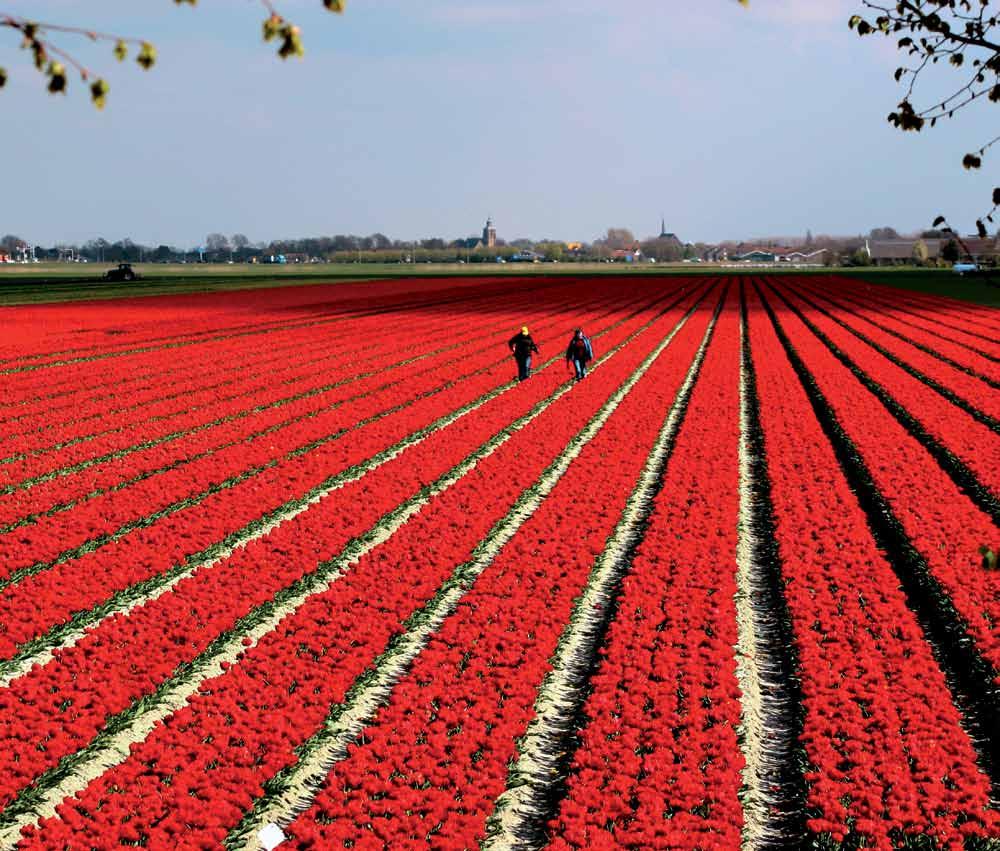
<point x="309" y="568"/>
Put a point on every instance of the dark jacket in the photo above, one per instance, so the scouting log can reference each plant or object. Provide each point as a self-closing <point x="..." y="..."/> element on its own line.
<point x="522" y="346"/>
<point x="579" y="349"/>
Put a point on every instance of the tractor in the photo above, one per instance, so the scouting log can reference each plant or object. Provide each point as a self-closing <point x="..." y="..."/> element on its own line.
<point x="124" y="272"/>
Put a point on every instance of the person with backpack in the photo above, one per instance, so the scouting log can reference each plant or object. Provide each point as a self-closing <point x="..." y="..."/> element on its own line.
<point x="580" y="352"/>
<point x="522" y="346"/>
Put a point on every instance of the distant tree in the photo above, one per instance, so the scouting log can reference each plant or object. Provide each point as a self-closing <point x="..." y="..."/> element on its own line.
<point x="920" y="253"/>
<point x="551" y="250"/>
<point x="433" y="244"/>
<point x="129" y="250"/>
<point x="809" y="239"/>
<point x="382" y="243"/>
<point x="240" y="241"/>
<point x="950" y="251"/>
<point x="883" y="233"/>
<point x="860" y="257"/>
<point x="163" y="253"/>
<point x="96" y="249"/>
<point x="618" y="238"/>
<point x="662" y="250"/>
<point x="216" y="243"/>
<point x="10" y="242"/>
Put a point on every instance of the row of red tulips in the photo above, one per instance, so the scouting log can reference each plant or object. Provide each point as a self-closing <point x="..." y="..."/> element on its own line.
<point x="349" y="375"/>
<point x="234" y="372"/>
<point x="975" y="445"/>
<point x="944" y="526"/>
<point x="144" y="372"/>
<point x="978" y="355"/>
<point x="237" y="731"/>
<point x="70" y="336"/>
<point x="659" y="763"/>
<point x="978" y="319"/>
<point x="887" y="751"/>
<point x="970" y="389"/>
<point x="280" y="471"/>
<point x="439" y="753"/>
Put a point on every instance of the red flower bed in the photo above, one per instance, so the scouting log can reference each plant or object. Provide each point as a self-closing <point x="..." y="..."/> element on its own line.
<point x="312" y="390"/>
<point x="972" y="442"/>
<point x="281" y="428"/>
<point x="233" y="373"/>
<point x="230" y="362"/>
<point x="316" y="653"/>
<point x="884" y="741"/>
<point x="942" y="524"/>
<point x="658" y="763"/>
<point x="959" y="346"/>
<point x="438" y="754"/>
<point x="81" y="582"/>
<point x="972" y="390"/>
<point x="60" y="326"/>
<point x="963" y="320"/>
<point x="258" y="401"/>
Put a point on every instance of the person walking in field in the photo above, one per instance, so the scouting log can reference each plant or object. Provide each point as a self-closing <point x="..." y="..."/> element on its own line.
<point x="580" y="352"/>
<point x="522" y="346"/>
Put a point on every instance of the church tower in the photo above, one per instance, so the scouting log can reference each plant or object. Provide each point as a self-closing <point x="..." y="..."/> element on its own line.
<point x="490" y="234"/>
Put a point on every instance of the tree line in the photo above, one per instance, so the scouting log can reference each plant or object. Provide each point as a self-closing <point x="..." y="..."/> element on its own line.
<point x="379" y="248"/>
<point x="347" y="248"/>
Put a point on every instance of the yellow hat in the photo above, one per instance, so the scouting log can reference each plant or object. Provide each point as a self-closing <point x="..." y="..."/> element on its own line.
<point x="524" y="329"/>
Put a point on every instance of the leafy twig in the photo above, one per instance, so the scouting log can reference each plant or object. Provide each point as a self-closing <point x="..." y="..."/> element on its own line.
<point x="52" y="60"/>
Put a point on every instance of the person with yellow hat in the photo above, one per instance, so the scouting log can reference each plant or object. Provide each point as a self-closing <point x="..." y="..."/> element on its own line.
<point x="522" y="346"/>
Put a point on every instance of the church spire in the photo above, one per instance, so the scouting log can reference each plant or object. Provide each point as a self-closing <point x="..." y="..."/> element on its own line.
<point x="490" y="233"/>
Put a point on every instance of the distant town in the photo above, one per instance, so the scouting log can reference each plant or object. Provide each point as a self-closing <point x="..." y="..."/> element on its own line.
<point x="882" y="246"/>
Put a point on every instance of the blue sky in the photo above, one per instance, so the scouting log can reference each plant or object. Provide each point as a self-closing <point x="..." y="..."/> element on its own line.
<point x="560" y="118"/>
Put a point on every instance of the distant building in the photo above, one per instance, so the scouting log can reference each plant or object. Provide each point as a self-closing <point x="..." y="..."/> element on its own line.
<point x="20" y="253"/>
<point x="816" y="256"/>
<point x="976" y="248"/>
<point x="669" y="237"/>
<point x="898" y="252"/>
<point x="490" y="234"/>
<point x="628" y="255"/>
<point x="760" y="255"/>
<point x="772" y="254"/>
